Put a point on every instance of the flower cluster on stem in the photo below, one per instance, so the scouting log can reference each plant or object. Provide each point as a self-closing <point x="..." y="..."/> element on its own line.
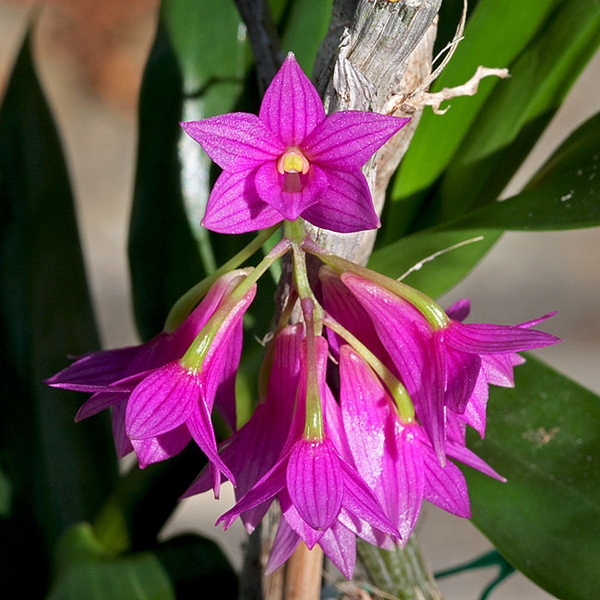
<point x="363" y="400"/>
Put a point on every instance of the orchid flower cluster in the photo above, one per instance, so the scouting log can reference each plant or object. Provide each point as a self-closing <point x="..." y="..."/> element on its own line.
<point x="363" y="400"/>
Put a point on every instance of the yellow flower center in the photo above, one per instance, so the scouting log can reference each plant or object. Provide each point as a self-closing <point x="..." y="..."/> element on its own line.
<point x="293" y="161"/>
<point x="292" y="164"/>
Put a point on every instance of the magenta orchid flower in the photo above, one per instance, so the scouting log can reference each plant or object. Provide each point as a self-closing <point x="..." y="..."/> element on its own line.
<point x="396" y="458"/>
<point x="255" y="448"/>
<point x="159" y="402"/>
<point x="322" y="497"/>
<point x="292" y="160"/>
<point x="442" y="368"/>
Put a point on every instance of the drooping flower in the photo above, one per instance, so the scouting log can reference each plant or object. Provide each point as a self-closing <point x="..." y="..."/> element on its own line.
<point x="322" y="497"/>
<point x="253" y="449"/>
<point x="292" y="160"/>
<point x="396" y="458"/>
<point x="162" y="392"/>
<point x="443" y="363"/>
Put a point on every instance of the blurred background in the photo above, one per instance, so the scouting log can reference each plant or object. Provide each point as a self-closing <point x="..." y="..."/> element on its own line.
<point x="90" y="56"/>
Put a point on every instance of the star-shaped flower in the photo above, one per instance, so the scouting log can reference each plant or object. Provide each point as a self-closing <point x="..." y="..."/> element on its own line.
<point x="292" y="160"/>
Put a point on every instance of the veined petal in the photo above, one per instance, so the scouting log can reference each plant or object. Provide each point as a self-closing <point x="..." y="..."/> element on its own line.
<point x="229" y="350"/>
<point x="285" y="542"/>
<point x="346" y="206"/>
<point x="235" y="141"/>
<point x="122" y="442"/>
<point x="446" y="486"/>
<point x="200" y="426"/>
<point x="265" y="490"/>
<point x="339" y="545"/>
<point x="270" y="187"/>
<point x="361" y="502"/>
<point x="309" y="535"/>
<point x="462" y="372"/>
<point x="156" y="449"/>
<point x="315" y="482"/>
<point x="475" y="411"/>
<point x="402" y="484"/>
<point x="460" y="310"/>
<point x="483" y="338"/>
<point x="99" y="402"/>
<point x="364" y="411"/>
<point x="161" y="402"/>
<point x="498" y="368"/>
<point x="234" y="206"/>
<point x="341" y="304"/>
<point x="467" y="457"/>
<point x="347" y="139"/>
<point x="94" y="369"/>
<point x="291" y="107"/>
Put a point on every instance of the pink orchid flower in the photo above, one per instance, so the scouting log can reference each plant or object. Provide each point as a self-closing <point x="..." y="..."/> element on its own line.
<point x="292" y="160"/>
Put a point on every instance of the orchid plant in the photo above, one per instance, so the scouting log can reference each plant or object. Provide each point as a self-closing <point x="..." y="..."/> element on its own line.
<point x="369" y="399"/>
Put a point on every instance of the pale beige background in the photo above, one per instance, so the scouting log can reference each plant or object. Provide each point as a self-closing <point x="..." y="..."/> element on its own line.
<point x="90" y="62"/>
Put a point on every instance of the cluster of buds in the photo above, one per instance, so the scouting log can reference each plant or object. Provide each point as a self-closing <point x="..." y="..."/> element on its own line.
<point x="363" y="399"/>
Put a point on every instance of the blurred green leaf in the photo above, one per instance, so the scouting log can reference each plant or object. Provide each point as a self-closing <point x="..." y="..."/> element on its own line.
<point x="163" y="253"/>
<point x="495" y="35"/>
<point x="564" y="194"/>
<point x="85" y="570"/>
<point x="197" y="68"/>
<point x="543" y="436"/>
<point x="512" y="120"/>
<point x="194" y="563"/>
<point x="302" y="17"/>
<point x="59" y="472"/>
<point x="448" y="264"/>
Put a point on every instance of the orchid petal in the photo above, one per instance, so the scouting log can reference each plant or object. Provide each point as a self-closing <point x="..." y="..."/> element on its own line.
<point x="462" y="373"/>
<point x="264" y="491"/>
<point x="99" y="402"/>
<point x="341" y="304"/>
<point x="460" y="310"/>
<point x="347" y="139"/>
<point x="161" y="402"/>
<point x="201" y="429"/>
<point x="467" y="457"/>
<point x="402" y="484"/>
<point x="475" y="411"/>
<point x="291" y="106"/>
<point x="96" y="369"/>
<point x="346" y="206"/>
<point x="234" y="206"/>
<point x="235" y="141"/>
<point x="483" y="338"/>
<point x="498" y="368"/>
<point x="315" y="482"/>
<point x="339" y="545"/>
<point x="364" y="410"/>
<point x="285" y="542"/>
<point x="162" y="447"/>
<point x="360" y="500"/>
<point x="309" y="535"/>
<point x="446" y="486"/>
<point x="123" y="444"/>
<point x="270" y="188"/>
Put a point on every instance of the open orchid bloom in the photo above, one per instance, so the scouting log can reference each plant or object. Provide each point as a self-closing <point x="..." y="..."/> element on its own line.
<point x="292" y="160"/>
